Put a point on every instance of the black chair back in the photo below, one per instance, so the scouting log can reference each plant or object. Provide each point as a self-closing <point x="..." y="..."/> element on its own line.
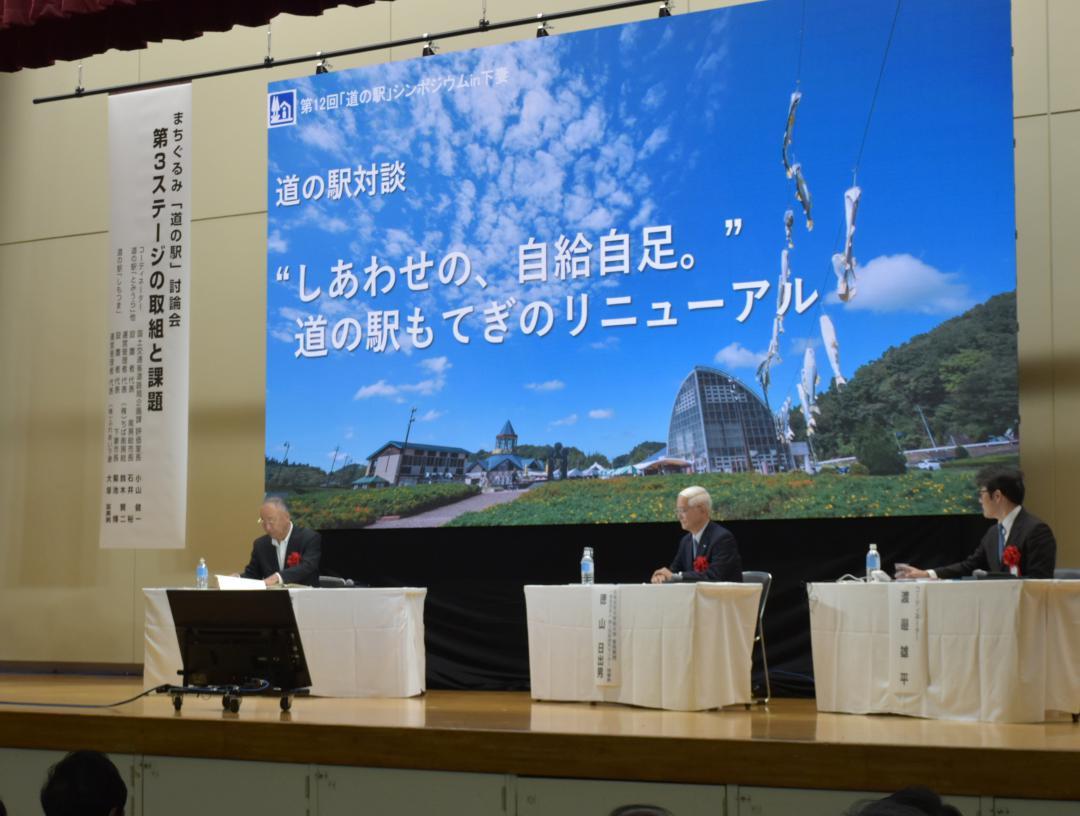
<point x="765" y="579"/>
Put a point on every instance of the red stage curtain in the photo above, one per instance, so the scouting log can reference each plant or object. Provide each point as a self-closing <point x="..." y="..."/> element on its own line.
<point x="34" y="33"/>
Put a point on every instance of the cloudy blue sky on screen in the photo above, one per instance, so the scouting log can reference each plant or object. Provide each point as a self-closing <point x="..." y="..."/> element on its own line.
<point x="667" y="122"/>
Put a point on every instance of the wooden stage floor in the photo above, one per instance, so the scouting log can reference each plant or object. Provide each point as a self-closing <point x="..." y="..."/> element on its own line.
<point x="789" y="744"/>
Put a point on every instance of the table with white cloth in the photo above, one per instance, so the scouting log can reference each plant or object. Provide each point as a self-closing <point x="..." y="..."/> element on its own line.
<point x="684" y="647"/>
<point x="357" y="642"/>
<point x="992" y="651"/>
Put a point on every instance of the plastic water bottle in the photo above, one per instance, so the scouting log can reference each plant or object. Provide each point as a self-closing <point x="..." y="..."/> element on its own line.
<point x="587" y="566"/>
<point x="873" y="562"/>
<point x="202" y="575"/>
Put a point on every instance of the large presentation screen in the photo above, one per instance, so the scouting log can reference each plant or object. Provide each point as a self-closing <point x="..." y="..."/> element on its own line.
<point x="767" y="249"/>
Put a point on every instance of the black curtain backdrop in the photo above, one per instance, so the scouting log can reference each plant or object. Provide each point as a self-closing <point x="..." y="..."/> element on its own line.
<point x="474" y="616"/>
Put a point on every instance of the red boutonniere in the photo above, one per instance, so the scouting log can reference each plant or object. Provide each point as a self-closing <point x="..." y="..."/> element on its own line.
<point x="293" y="559"/>
<point x="1011" y="559"/>
<point x="701" y="563"/>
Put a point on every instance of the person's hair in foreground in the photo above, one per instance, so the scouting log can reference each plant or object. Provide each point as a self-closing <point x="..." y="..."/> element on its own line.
<point x="84" y="783"/>
<point x="914" y="801"/>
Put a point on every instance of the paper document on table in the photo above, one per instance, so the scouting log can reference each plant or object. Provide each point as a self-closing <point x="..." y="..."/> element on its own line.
<point x="233" y="582"/>
<point x="605" y="629"/>
<point x="907" y="639"/>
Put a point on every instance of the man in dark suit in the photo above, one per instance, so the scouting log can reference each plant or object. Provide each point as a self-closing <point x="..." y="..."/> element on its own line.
<point x="1001" y="493"/>
<point x="286" y="554"/>
<point x="707" y="552"/>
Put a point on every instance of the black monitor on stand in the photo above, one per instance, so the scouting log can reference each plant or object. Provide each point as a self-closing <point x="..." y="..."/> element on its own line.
<point x="237" y="642"/>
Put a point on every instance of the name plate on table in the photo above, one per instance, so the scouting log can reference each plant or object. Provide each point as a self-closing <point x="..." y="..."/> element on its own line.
<point x="907" y="638"/>
<point x="605" y="631"/>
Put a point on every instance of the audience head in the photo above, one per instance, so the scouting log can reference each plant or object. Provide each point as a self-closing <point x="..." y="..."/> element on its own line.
<point x="84" y="783"/>
<point x="274" y="517"/>
<point x="913" y="801"/>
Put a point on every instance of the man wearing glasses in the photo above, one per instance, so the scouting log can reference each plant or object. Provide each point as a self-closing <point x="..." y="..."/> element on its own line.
<point x="1020" y="542"/>
<point x="286" y="554"/>
<point x="707" y="552"/>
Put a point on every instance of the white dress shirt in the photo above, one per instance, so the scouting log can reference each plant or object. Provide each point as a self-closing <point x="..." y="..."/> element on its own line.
<point x="280" y="547"/>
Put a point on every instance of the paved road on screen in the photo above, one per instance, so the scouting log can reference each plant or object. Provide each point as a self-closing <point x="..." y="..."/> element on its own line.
<point x="441" y="515"/>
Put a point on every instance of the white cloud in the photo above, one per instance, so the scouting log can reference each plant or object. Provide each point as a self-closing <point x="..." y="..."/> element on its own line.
<point x="548" y="385"/>
<point x="643" y="214"/>
<point x="655" y="141"/>
<point x="424" y="387"/>
<point x="611" y="341"/>
<point x="323" y="136"/>
<point x="380" y="389"/>
<point x="598" y="220"/>
<point x="438" y="366"/>
<point x="586" y="131"/>
<point x="567" y="420"/>
<point x="548" y="153"/>
<point x="653" y="97"/>
<point x="286" y="332"/>
<point x="799" y="345"/>
<point x="398" y="242"/>
<point x="291" y="314"/>
<point x="275" y="243"/>
<point x="903" y="283"/>
<point x="430" y="416"/>
<point x="734" y="355"/>
<point x="601" y="413"/>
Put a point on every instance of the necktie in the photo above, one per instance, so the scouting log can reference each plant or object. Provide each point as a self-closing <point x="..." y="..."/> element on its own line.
<point x="1001" y="542"/>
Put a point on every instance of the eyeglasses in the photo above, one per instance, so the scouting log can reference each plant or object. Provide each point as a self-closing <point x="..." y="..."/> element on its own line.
<point x="682" y="511"/>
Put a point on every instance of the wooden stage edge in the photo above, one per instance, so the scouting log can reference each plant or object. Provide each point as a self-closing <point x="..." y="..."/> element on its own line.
<point x="788" y="744"/>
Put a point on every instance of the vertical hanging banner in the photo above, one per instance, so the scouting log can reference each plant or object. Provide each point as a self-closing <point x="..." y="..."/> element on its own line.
<point x="144" y="492"/>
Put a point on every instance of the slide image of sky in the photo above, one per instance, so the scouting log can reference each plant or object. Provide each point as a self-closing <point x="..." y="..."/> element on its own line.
<point x="665" y="135"/>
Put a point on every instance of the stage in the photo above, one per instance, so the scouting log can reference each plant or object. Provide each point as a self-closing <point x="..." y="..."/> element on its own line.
<point x="786" y="745"/>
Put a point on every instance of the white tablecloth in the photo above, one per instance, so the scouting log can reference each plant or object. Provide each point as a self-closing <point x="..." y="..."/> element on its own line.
<point x="357" y="642"/>
<point x="684" y="647"/>
<point x="995" y="651"/>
